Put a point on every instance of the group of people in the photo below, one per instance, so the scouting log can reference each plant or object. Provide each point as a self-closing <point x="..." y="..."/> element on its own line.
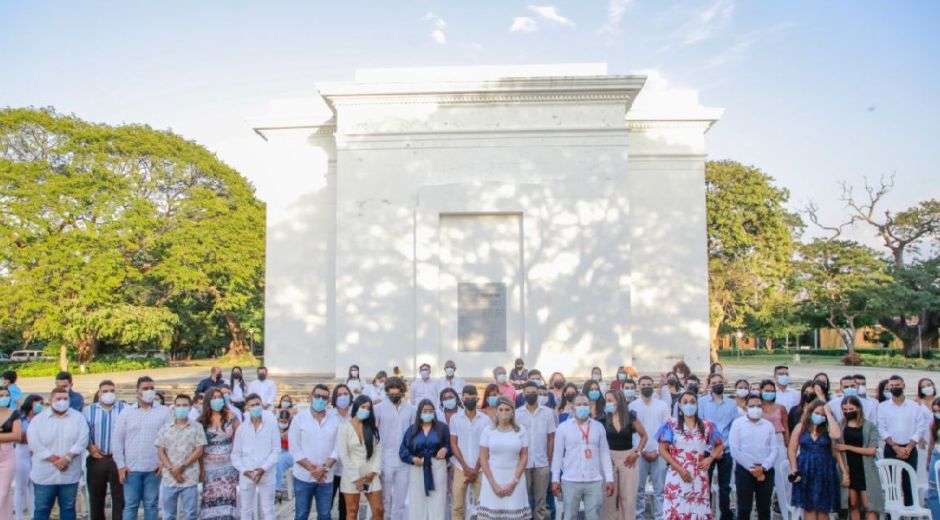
<point x="437" y="448"/>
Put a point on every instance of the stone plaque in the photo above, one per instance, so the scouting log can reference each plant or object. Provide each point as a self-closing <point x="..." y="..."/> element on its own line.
<point x="481" y="317"/>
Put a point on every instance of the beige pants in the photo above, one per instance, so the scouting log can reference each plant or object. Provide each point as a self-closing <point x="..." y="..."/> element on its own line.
<point x="537" y="481"/>
<point x="460" y="492"/>
<point x="622" y="505"/>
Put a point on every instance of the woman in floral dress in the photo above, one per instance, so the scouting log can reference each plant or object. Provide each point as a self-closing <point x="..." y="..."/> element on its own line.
<point x="220" y="478"/>
<point x="683" y="444"/>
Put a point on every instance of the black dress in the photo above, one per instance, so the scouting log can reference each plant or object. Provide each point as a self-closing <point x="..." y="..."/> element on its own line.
<point x="7" y="426"/>
<point x="854" y="437"/>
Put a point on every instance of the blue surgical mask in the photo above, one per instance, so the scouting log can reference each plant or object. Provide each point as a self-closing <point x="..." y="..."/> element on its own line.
<point x="621" y="376"/>
<point x="850" y="392"/>
<point x="491" y="400"/>
<point x="817" y="419"/>
<point x="227" y="398"/>
<point x="887" y="395"/>
<point x="630" y="393"/>
<point x="936" y="416"/>
<point x="362" y="414"/>
<point x="217" y="404"/>
<point x="427" y="416"/>
<point x="318" y="404"/>
<point x="594" y="395"/>
<point x="784" y="380"/>
<point x="689" y="409"/>
<point x="610" y="407"/>
<point x="449" y="404"/>
<point x="4" y="402"/>
<point x="343" y="401"/>
<point x="769" y="396"/>
<point x="37" y="408"/>
<point x="596" y="377"/>
<point x="182" y="412"/>
<point x="254" y="412"/>
<point x="582" y="411"/>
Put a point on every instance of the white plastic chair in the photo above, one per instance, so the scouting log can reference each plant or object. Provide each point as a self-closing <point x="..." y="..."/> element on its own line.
<point x="787" y="509"/>
<point x="891" y="471"/>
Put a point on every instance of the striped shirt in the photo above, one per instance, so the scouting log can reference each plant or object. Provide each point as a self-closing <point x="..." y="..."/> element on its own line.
<point x="101" y="424"/>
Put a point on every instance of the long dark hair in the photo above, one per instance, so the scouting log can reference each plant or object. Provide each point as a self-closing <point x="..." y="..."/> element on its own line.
<point x="453" y="392"/>
<point x="857" y="403"/>
<point x="807" y="421"/>
<point x="205" y="418"/>
<point x="416" y="427"/>
<point x="370" y="433"/>
<point x="492" y="387"/>
<point x="27" y="408"/>
<point x="597" y="405"/>
<point x="336" y="393"/>
<point x="934" y="423"/>
<point x="564" y="397"/>
<point x="698" y="420"/>
<point x="881" y="390"/>
<point x="241" y="379"/>
<point x="623" y="412"/>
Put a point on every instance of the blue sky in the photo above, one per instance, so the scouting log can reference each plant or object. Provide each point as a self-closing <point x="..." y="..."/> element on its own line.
<point x="815" y="92"/>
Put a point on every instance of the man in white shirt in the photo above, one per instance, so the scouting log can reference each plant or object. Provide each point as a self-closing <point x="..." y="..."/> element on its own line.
<point x="753" y="446"/>
<point x="392" y="417"/>
<point x="900" y="423"/>
<point x="255" y="452"/>
<point x="786" y="396"/>
<point x="179" y="446"/>
<point x="539" y="424"/>
<point x="850" y="388"/>
<point x="466" y="428"/>
<point x="425" y="387"/>
<point x="868" y="403"/>
<point x="57" y="436"/>
<point x="450" y="379"/>
<point x="582" y="454"/>
<point x="135" y="453"/>
<point x="312" y="443"/>
<point x="652" y="413"/>
<point x="264" y="387"/>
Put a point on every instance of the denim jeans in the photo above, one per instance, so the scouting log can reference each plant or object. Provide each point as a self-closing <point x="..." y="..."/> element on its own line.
<point x="284" y="462"/>
<point x="46" y="496"/>
<point x="141" y="487"/>
<point x="172" y="495"/>
<point x="306" y="492"/>
<point x="655" y="471"/>
<point x="933" y="501"/>
<point x="574" y="493"/>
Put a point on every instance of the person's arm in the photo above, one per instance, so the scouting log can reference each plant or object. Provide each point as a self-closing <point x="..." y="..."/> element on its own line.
<point x="16" y="433"/>
<point x="81" y="442"/>
<point x="734" y="444"/>
<point x="644" y="436"/>
<point x="117" y="440"/>
<point x="37" y="447"/>
<point x="164" y="459"/>
<point x="484" y="459"/>
<point x="238" y="462"/>
<point x="404" y="451"/>
<point x="296" y="447"/>
<point x="794" y="446"/>
<point x="455" y="447"/>
<point x="550" y="447"/>
<point x="607" y="466"/>
<point x="768" y="462"/>
<point x="274" y="451"/>
<point x="558" y="455"/>
<point x="883" y="425"/>
<point x="784" y="419"/>
<point x="835" y="431"/>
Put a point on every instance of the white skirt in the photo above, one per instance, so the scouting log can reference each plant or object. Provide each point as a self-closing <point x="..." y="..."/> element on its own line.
<point x="513" y="507"/>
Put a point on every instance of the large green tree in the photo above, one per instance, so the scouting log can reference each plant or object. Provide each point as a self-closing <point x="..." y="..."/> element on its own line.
<point x="751" y="238"/>
<point x="108" y="233"/>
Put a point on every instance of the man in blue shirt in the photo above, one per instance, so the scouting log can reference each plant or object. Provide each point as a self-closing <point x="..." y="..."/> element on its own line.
<point x="721" y="411"/>
<point x="215" y="379"/>
<point x="9" y="381"/>
<point x="64" y="380"/>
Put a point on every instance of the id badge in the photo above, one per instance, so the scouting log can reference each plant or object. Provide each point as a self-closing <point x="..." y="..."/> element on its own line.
<point x="588" y="453"/>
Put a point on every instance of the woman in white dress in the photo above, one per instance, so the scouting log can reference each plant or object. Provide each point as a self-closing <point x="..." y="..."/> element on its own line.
<point x="359" y="450"/>
<point x="503" y="454"/>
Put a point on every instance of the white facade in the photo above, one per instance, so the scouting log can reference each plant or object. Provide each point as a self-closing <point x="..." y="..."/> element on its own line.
<point x="582" y="193"/>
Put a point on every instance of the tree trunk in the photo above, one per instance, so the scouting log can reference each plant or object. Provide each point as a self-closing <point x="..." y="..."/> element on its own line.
<point x="63" y="358"/>
<point x="713" y="335"/>
<point x="912" y="337"/>
<point x="848" y="339"/>
<point x="86" y="347"/>
<point x="238" y="346"/>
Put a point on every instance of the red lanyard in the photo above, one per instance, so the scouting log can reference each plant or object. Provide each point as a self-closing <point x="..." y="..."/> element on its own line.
<point x="585" y="434"/>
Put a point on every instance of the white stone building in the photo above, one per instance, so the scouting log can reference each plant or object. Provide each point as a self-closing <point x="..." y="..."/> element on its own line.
<point x="480" y="214"/>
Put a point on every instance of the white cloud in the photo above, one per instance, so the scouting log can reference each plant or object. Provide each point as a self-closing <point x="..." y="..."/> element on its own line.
<point x="550" y="13"/>
<point x="702" y="27"/>
<point x="523" y="24"/>
<point x="615" y="12"/>
<point x="438" y="34"/>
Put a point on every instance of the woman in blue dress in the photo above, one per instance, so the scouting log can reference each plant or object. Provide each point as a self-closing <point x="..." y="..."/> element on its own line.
<point x="425" y="446"/>
<point x="812" y="454"/>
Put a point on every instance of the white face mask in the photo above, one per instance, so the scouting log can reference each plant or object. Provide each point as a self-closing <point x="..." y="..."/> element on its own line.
<point x="927" y="390"/>
<point x="741" y="392"/>
<point x="543" y="400"/>
<point x="108" y="398"/>
<point x="425" y="374"/>
<point x="755" y="412"/>
<point x="500" y="378"/>
<point x="148" y="396"/>
<point x="354" y="374"/>
<point x="861" y="391"/>
<point x="60" y="405"/>
<point x="449" y="371"/>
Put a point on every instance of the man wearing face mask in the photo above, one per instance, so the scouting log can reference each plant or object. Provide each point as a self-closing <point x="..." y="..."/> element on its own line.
<point x="721" y="411"/>
<point x="582" y="456"/>
<point x="425" y="387"/>
<point x="652" y="413"/>
<point x="56" y="437"/>
<point x="466" y="429"/>
<point x="135" y="453"/>
<point x="312" y="440"/>
<point x="392" y="417"/>
<point x="900" y="423"/>
<point x="752" y="442"/>
<point x="505" y="387"/>
<point x="180" y="445"/>
<point x="538" y="423"/>
<point x="264" y="387"/>
<point x="450" y="379"/>
<point x="63" y="380"/>
<point x="786" y="396"/>
<point x="255" y="455"/>
<point x="850" y="388"/>
<point x="214" y="379"/>
<point x="102" y="418"/>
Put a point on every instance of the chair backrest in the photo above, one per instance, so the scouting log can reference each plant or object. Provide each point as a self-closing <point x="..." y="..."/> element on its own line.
<point x="891" y="471"/>
<point x="936" y="477"/>
<point x="785" y="501"/>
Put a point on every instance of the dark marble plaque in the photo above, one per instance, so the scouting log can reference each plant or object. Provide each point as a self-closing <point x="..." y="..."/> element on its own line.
<point x="481" y="317"/>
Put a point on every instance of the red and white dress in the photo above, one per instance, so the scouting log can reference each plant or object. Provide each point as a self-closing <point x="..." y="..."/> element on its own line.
<point x="688" y="500"/>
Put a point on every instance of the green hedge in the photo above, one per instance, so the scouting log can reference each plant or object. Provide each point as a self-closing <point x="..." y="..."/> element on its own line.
<point x="104" y="364"/>
<point x="833" y="353"/>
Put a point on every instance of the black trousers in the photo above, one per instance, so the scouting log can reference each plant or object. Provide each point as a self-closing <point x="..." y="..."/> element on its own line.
<point x="725" y="467"/>
<point x="749" y="488"/>
<point x="100" y="473"/>
<point x="905" y="482"/>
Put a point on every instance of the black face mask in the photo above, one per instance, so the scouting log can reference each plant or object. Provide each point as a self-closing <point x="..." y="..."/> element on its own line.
<point x="897" y="391"/>
<point x="262" y="377"/>
<point x="646" y="391"/>
<point x="808" y="397"/>
<point x="570" y="397"/>
<point x="558" y="384"/>
<point x="672" y="381"/>
<point x="470" y="404"/>
<point x="237" y="375"/>
<point x="531" y="398"/>
<point x="395" y="399"/>
<point x="693" y="388"/>
<point x="718" y="389"/>
<point x="851" y="416"/>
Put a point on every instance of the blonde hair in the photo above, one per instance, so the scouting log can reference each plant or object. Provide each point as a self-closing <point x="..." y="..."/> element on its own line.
<point x="512" y="420"/>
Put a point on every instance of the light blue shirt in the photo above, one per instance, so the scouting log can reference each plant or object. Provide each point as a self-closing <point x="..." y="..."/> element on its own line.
<point x="722" y="414"/>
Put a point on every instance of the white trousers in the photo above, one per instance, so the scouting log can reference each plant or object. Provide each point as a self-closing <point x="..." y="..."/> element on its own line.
<point x="431" y="506"/>
<point x="249" y="493"/>
<point x="23" y="497"/>
<point x="395" y="491"/>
